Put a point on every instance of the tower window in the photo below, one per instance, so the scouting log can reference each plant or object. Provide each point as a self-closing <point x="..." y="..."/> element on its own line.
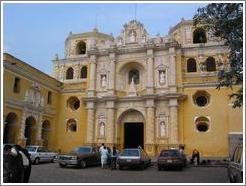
<point x="134" y="75"/>
<point x="210" y="63"/>
<point x="71" y="125"/>
<point x="49" y="99"/>
<point x="81" y="48"/>
<point x="191" y="65"/>
<point x="16" y="88"/>
<point x="83" y="72"/>
<point x="73" y="103"/>
<point x="199" y="36"/>
<point x="202" y="124"/>
<point x="69" y="74"/>
<point x="201" y="98"/>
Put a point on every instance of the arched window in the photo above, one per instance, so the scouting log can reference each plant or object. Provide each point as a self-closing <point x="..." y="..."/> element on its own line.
<point x="45" y="132"/>
<point x="210" y="63"/>
<point x="71" y="125"/>
<point x="202" y="124"/>
<point x="69" y="74"/>
<point x="191" y="65"/>
<point x="199" y="36"/>
<point x="83" y="72"/>
<point x="81" y="48"/>
<point x="134" y="74"/>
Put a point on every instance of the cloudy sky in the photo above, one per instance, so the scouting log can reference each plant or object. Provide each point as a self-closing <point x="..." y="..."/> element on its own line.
<point x="35" y="32"/>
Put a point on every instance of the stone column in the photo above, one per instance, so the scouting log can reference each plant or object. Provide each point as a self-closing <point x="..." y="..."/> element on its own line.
<point x="90" y="123"/>
<point x="92" y="79"/>
<point x="173" y="109"/>
<point x="150" y="127"/>
<point x="172" y="72"/>
<point x="150" y="70"/>
<point x="110" y="129"/>
<point x="39" y="140"/>
<point x="112" y="78"/>
<point x="21" y="137"/>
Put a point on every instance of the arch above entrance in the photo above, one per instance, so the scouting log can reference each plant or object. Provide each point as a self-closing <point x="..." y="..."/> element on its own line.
<point x="130" y="115"/>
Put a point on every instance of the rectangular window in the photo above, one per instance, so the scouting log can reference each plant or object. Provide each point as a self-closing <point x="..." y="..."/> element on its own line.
<point x="16" y="88"/>
<point x="49" y="99"/>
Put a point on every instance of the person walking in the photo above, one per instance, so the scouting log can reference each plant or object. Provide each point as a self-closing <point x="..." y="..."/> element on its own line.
<point x="195" y="154"/>
<point x="102" y="146"/>
<point x="104" y="157"/>
<point x="114" y="155"/>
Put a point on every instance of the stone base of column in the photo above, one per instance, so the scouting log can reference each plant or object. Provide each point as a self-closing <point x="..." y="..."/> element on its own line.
<point x="150" y="149"/>
<point x="21" y="142"/>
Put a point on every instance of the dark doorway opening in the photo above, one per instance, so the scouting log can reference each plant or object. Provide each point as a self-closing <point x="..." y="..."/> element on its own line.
<point x="133" y="135"/>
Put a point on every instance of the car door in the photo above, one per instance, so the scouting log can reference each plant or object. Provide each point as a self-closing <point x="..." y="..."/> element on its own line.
<point x="41" y="154"/>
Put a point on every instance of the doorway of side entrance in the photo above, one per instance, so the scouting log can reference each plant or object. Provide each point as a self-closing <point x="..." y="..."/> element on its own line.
<point x="133" y="135"/>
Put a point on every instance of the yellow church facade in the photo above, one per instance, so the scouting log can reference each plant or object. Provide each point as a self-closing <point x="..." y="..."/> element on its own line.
<point x="132" y="90"/>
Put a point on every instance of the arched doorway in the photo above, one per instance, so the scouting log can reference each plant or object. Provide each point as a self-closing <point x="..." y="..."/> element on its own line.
<point x="9" y="128"/>
<point x="131" y="123"/>
<point x="30" y="132"/>
<point x="45" y="132"/>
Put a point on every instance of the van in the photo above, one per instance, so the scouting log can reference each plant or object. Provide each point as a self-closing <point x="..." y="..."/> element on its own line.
<point x="235" y="165"/>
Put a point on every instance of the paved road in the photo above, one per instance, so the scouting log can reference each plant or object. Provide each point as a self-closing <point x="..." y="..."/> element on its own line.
<point x="52" y="173"/>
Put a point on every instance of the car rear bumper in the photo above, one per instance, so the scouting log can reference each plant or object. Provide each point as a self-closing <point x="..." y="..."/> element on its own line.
<point x="171" y="164"/>
<point x="68" y="162"/>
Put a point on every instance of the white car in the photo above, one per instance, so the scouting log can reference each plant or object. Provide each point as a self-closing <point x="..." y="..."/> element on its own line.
<point x="40" y="154"/>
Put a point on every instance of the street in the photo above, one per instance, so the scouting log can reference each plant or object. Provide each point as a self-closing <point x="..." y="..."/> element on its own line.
<point x="52" y="173"/>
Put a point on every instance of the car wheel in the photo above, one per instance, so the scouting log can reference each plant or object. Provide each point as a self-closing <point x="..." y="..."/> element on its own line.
<point x="82" y="164"/>
<point x="52" y="160"/>
<point x="159" y="168"/>
<point x="120" y="167"/>
<point x="62" y="165"/>
<point x="36" y="161"/>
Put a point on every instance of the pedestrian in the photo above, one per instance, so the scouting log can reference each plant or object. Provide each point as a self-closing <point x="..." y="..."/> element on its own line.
<point x="102" y="146"/>
<point x="109" y="156"/>
<point x="104" y="157"/>
<point x="114" y="155"/>
<point x="195" y="155"/>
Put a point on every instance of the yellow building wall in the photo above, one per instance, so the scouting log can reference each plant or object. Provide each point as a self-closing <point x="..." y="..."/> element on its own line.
<point x="65" y="140"/>
<point x="214" y="142"/>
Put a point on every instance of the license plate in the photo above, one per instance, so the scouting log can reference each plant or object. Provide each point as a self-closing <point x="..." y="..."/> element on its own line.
<point x="128" y="160"/>
<point x="169" y="161"/>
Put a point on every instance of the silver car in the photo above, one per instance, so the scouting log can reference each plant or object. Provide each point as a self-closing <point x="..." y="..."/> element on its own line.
<point x="235" y="165"/>
<point x="40" y="154"/>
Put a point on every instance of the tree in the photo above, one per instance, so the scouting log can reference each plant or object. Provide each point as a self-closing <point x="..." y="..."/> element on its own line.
<point x="225" y="21"/>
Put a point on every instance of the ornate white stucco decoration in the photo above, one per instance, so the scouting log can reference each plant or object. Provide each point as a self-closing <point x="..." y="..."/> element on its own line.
<point x="133" y="32"/>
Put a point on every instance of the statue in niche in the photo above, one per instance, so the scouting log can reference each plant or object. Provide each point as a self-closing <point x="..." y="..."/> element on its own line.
<point x="162" y="77"/>
<point x="102" y="129"/>
<point x="104" y="81"/>
<point x="162" y="129"/>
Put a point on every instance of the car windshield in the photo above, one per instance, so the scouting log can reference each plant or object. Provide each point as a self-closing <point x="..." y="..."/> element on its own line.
<point x="130" y="152"/>
<point x="169" y="153"/>
<point x="31" y="149"/>
<point x="82" y="150"/>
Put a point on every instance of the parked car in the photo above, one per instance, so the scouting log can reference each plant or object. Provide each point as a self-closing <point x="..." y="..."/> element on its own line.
<point x="40" y="154"/>
<point x="235" y="165"/>
<point x="80" y="156"/>
<point x="171" y="158"/>
<point x="134" y="157"/>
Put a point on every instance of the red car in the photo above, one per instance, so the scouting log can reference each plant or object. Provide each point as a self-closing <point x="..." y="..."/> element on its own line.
<point x="172" y="158"/>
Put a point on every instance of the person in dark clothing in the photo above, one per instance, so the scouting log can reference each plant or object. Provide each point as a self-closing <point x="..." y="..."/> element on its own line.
<point x="16" y="164"/>
<point x="114" y="155"/>
<point x="26" y="161"/>
<point x="195" y="154"/>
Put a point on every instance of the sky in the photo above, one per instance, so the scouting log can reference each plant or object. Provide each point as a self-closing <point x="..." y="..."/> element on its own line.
<point x="35" y="32"/>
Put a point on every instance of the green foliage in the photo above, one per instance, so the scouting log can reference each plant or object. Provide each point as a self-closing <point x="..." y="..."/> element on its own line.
<point x="225" y="21"/>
